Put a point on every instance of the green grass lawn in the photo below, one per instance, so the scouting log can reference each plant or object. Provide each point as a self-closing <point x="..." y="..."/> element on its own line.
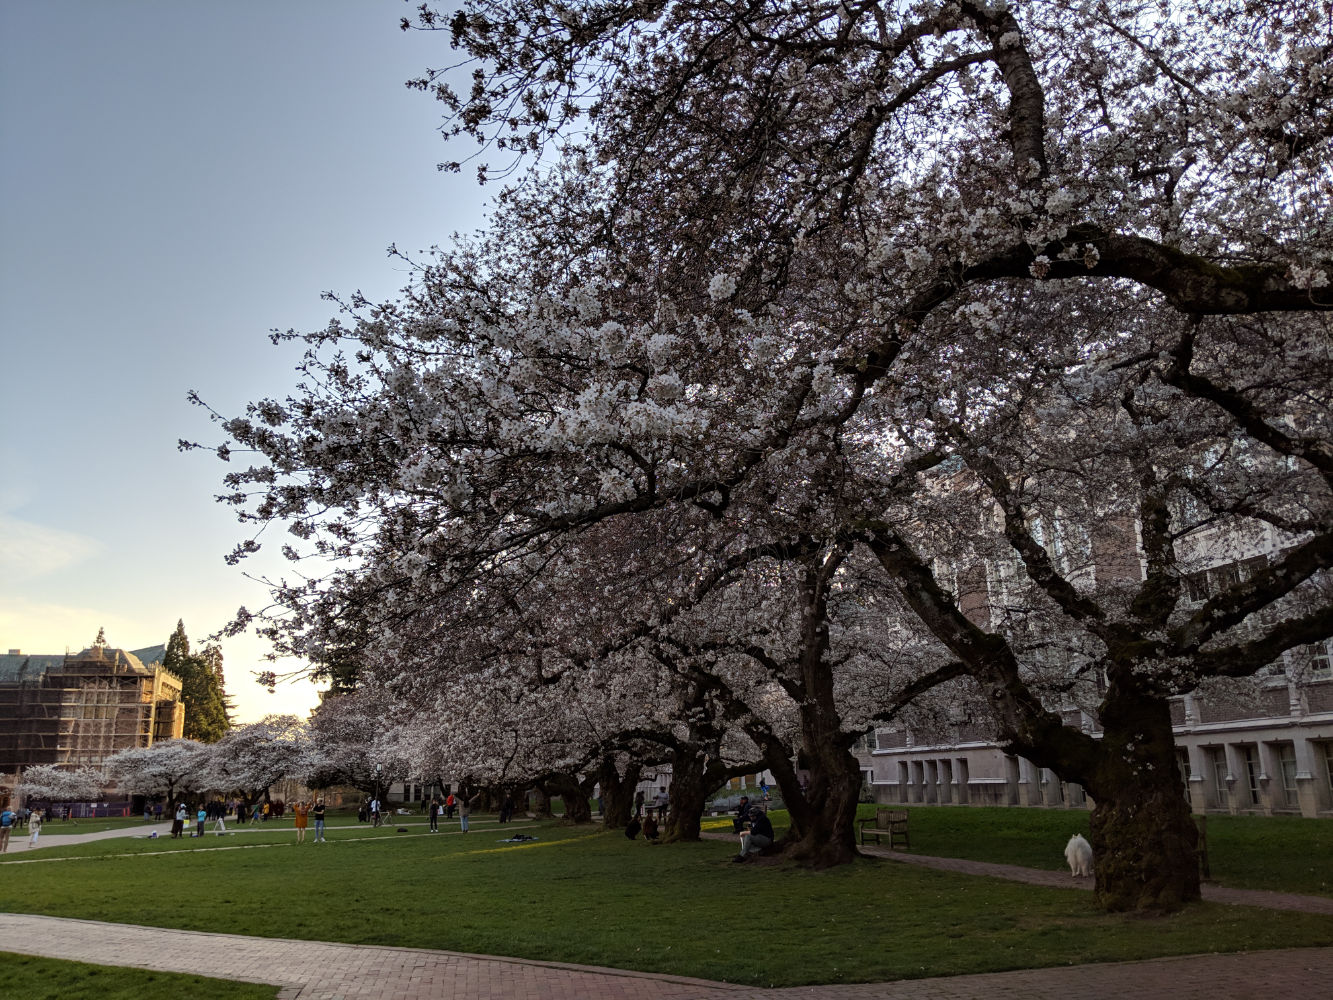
<point x="576" y="895"/>
<point x="51" y="979"/>
<point x="1281" y="853"/>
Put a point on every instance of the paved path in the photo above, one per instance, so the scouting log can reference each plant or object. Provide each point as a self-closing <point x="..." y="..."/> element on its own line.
<point x="312" y="970"/>
<point x="1062" y="880"/>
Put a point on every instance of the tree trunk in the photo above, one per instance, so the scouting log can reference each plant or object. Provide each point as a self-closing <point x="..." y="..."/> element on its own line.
<point x="575" y="798"/>
<point x="1144" y="841"/>
<point x="541" y="802"/>
<point x="826" y="834"/>
<point x="617" y="792"/>
<point x="823" y="830"/>
<point x="689" y="791"/>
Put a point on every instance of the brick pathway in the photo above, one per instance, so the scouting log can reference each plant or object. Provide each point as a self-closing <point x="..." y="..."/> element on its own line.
<point x="312" y="970"/>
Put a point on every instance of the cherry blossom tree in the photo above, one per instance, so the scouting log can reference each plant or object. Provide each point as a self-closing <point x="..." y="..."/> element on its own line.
<point x="841" y="284"/>
<point x="167" y="767"/>
<point x="59" y="784"/>
<point x="251" y="758"/>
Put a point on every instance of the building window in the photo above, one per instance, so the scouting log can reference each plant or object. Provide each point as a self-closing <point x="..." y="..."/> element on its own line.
<point x="1252" y="773"/>
<point x="1286" y="761"/>
<point x="1321" y="659"/>
<point x="1217" y="761"/>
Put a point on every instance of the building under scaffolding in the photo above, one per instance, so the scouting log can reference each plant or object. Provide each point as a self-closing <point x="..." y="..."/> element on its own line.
<point x="78" y="710"/>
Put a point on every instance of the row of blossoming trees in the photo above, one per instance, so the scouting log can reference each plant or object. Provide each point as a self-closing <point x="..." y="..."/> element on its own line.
<point x="246" y="763"/>
<point x="805" y="314"/>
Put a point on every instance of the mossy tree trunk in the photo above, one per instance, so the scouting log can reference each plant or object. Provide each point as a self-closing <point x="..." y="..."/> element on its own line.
<point x="1144" y="841"/>
<point x="617" y="792"/>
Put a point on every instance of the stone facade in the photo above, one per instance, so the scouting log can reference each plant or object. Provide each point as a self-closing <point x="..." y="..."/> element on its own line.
<point x="1270" y="755"/>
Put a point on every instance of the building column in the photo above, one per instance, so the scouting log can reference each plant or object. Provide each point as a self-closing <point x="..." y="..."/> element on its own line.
<point x="1195" y="787"/>
<point x="916" y="785"/>
<point x="1271" y="793"/>
<point x="961" y="778"/>
<point x="1308" y="785"/>
<point x="1029" y="783"/>
<point x="1238" y="785"/>
<point x="1012" y="781"/>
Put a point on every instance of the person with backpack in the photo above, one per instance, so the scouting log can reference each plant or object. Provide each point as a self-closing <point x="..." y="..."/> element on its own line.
<point x="7" y="819"/>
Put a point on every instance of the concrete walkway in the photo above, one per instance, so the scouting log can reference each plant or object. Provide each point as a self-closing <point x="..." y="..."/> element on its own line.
<point x="1063" y="880"/>
<point x="312" y="970"/>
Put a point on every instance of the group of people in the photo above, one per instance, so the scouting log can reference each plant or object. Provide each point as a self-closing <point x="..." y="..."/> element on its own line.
<point x="435" y="808"/>
<point x="10" y="819"/>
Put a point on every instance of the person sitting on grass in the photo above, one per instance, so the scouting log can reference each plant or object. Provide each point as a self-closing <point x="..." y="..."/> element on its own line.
<point x="650" y="829"/>
<point x="758" y="836"/>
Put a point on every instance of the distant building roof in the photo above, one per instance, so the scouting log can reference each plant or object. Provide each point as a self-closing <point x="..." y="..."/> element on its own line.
<point x="150" y="655"/>
<point x="15" y="667"/>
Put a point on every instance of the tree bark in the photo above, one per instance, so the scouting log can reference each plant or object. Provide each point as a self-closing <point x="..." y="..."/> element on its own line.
<point x="689" y="791"/>
<point x="617" y="792"/>
<point x="826" y="833"/>
<point x="574" y="797"/>
<point x="1144" y="841"/>
<point x="823" y="830"/>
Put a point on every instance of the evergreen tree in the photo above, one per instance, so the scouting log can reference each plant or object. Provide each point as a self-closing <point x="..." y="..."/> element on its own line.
<point x="201" y="687"/>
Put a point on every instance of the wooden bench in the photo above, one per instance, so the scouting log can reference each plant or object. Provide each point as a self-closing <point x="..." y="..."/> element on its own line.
<point x="891" y="823"/>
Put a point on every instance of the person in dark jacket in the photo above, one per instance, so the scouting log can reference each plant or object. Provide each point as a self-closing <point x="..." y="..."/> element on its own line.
<point x="758" y="836"/>
<point x="742" y="815"/>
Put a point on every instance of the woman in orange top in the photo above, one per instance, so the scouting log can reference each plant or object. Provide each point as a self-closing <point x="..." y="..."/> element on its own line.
<point x="302" y="814"/>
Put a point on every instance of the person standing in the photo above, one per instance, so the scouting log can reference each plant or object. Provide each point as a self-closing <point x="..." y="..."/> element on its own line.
<point x="434" y="809"/>
<point x="200" y="818"/>
<point x="449" y="804"/>
<point x="464" y="811"/>
<point x="34" y="827"/>
<point x="7" y="818"/>
<point x="178" y="824"/>
<point x="220" y="819"/>
<point x="302" y="813"/>
<point x="375" y="811"/>
<point x="319" y="821"/>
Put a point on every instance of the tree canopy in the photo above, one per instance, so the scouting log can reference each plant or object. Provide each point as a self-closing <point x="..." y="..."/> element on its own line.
<point x="202" y="687"/>
<point x="886" y="348"/>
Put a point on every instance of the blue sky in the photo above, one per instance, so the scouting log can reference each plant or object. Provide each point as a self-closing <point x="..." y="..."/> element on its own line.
<point x="178" y="178"/>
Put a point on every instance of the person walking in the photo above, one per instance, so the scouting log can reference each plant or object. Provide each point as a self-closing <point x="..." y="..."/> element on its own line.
<point x="220" y="819"/>
<point x="34" y="827"/>
<point x="302" y="813"/>
<point x="318" y="812"/>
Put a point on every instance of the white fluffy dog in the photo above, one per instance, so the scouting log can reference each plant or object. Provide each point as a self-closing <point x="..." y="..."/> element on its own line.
<point x="1078" y="852"/>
